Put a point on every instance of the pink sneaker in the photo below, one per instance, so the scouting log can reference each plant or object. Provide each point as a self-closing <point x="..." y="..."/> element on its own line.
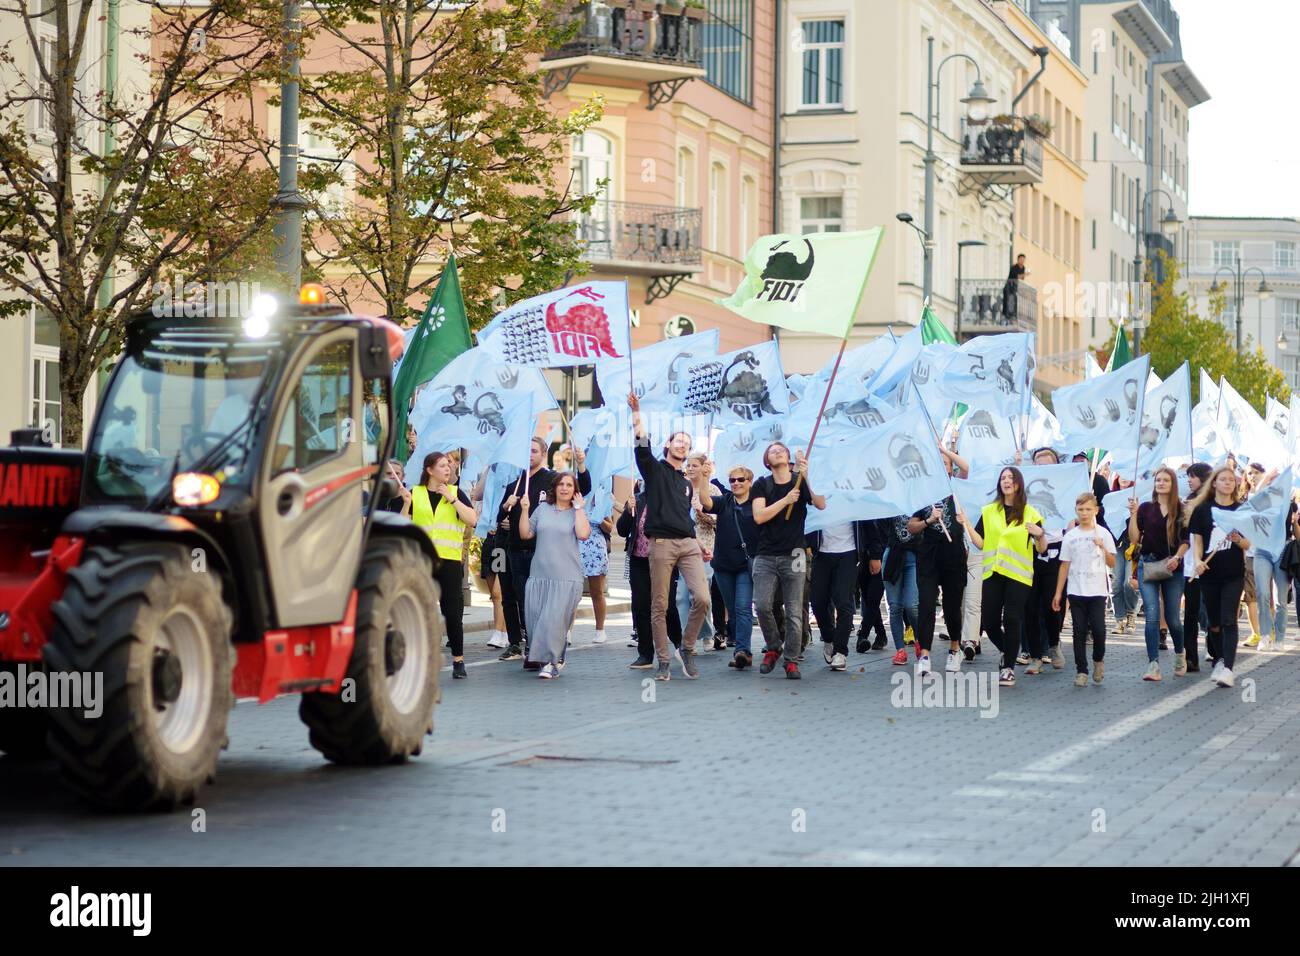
<point x="901" y="656"/>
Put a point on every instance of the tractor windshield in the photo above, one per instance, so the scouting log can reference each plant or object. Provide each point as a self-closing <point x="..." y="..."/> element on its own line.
<point x="180" y="398"/>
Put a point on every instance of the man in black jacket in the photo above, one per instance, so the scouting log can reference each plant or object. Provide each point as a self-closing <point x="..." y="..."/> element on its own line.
<point x="517" y="552"/>
<point x="673" y="545"/>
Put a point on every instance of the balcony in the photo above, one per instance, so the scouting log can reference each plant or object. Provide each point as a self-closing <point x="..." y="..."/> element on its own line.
<point x="987" y="306"/>
<point x="659" y="44"/>
<point x="1001" y="153"/>
<point x="642" y="239"/>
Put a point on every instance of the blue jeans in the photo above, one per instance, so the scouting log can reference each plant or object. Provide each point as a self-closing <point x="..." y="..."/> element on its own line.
<point x="1171" y="590"/>
<point x="1268" y="571"/>
<point x="737" y="589"/>
<point x="1123" y="597"/>
<point x="684" y="605"/>
<point x="903" y="597"/>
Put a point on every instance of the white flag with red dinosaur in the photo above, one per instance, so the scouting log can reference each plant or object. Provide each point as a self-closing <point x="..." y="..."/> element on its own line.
<point x="576" y="325"/>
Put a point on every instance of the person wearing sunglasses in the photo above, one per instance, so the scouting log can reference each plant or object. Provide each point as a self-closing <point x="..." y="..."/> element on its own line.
<point x="735" y="543"/>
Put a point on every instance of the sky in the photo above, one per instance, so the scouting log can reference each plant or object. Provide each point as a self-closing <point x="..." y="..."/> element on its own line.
<point x="1244" y="143"/>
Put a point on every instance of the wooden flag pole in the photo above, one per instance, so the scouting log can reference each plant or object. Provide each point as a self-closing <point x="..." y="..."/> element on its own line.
<point x="798" y="480"/>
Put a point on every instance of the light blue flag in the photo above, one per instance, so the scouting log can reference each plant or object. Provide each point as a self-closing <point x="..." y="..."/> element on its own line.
<point x="1262" y="518"/>
<point x="745" y="385"/>
<point x="1207" y="443"/>
<point x="658" y="370"/>
<point x="1051" y="489"/>
<point x="1277" y="417"/>
<point x="1244" y="432"/>
<point x="985" y="439"/>
<point x="893" y="375"/>
<point x="469" y="405"/>
<point x="927" y="381"/>
<point x="1103" y="412"/>
<point x="1166" y="427"/>
<point x="1115" y="504"/>
<point x="499" y="477"/>
<point x="843" y="419"/>
<point x="796" y="382"/>
<point x="891" y="469"/>
<point x="990" y="370"/>
<point x="1044" y="430"/>
<point x="741" y="445"/>
<point x="605" y="439"/>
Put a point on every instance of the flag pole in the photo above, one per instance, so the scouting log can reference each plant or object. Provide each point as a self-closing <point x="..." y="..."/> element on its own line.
<point x="631" y="382"/>
<point x="920" y="400"/>
<point x="798" y="480"/>
<point x="1137" y="462"/>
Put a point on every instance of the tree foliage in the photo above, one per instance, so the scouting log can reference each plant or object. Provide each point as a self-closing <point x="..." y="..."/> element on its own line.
<point x="92" y="234"/>
<point x="441" y="133"/>
<point x="1177" y="333"/>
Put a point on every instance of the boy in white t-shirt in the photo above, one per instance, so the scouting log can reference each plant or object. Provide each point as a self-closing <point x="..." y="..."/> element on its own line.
<point x="1087" y="552"/>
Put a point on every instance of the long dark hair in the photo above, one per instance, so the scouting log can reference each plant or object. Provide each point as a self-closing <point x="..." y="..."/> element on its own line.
<point x="1175" y="506"/>
<point x="430" y="460"/>
<point x="1014" y="512"/>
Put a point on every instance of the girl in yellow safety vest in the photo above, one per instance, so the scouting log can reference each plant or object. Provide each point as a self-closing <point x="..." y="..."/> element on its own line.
<point x="1008" y="532"/>
<point x="443" y="511"/>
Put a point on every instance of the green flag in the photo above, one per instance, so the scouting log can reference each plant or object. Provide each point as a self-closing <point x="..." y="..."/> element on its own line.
<point x="933" y="330"/>
<point x="443" y="333"/>
<point x="1120" y="355"/>
<point x="809" y="283"/>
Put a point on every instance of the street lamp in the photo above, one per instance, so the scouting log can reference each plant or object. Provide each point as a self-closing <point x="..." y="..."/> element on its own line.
<point x="961" y="247"/>
<point x="977" y="102"/>
<point x="1263" y="291"/>
<point x="1169" y="226"/>
<point x="1282" y="343"/>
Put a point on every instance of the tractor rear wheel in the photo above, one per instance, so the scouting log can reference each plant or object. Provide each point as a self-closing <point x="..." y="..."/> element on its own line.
<point x="22" y="729"/>
<point x="385" y="706"/>
<point x="159" y="633"/>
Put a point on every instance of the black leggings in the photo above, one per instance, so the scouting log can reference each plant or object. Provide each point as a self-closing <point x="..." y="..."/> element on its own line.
<point x="1192" y="621"/>
<point x="1089" y="614"/>
<point x="451" y="579"/>
<point x="928" y="582"/>
<point x="833" y="578"/>
<point x="1222" y="598"/>
<point x="1002" y="611"/>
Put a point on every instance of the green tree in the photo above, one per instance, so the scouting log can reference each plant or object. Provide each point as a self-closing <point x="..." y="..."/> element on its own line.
<point x="106" y="196"/>
<point x="445" y="138"/>
<point x="1177" y="333"/>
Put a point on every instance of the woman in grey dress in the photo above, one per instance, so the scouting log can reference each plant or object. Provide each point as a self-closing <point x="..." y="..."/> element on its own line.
<point x="555" y="581"/>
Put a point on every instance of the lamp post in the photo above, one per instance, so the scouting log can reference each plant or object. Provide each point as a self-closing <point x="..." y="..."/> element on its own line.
<point x="961" y="247"/>
<point x="1169" y="226"/>
<point x="1239" y="293"/>
<point x="977" y="103"/>
<point x="288" y="201"/>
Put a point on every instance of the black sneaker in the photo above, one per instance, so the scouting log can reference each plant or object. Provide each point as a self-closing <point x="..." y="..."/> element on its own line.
<point x="458" y="669"/>
<point x="511" y="653"/>
<point x="879" y="643"/>
<point x="828" y="652"/>
<point x="968" y="650"/>
<point x="864" y="645"/>
<point x="719" y="643"/>
<point x="642" y="663"/>
<point x="741" y="660"/>
<point x="1164" y="639"/>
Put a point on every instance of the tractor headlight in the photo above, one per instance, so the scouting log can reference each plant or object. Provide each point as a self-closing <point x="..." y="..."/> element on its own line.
<point x="191" y="489"/>
<point x="260" y="310"/>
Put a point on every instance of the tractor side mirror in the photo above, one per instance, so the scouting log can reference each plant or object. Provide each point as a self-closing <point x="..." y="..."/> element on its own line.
<point x="375" y="359"/>
<point x="388" y="489"/>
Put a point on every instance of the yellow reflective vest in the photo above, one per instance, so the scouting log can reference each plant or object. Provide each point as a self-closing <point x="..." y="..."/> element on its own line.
<point x="442" y="524"/>
<point x="1008" y="549"/>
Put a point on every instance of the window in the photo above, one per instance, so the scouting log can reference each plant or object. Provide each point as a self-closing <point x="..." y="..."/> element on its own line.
<point x="748" y="213"/>
<point x="823" y="64"/>
<point x="729" y="47"/>
<point x="821" y="214"/>
<point x="685" y="177"/>
<point x="321" y="164"/>
<point x="717" y="205"/>
<point x="593" y="163"/>
<point x="45" y="397"/>
<point x="1284" y="255"/>
<point x="1288" y="315"/>
<point x="44" y="91"/>
<point x="312" y="429"/>
<point x="1225" y="253"/>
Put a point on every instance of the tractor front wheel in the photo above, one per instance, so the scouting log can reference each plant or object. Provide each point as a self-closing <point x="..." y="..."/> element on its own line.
<point x="385" y="706"/>
<point x="154" y="634"/>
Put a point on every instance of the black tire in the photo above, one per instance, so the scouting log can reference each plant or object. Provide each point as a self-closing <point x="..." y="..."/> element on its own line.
<point x="378" y="718"/>
<point x="126" y="609"/>
<point x="22" y="729"/>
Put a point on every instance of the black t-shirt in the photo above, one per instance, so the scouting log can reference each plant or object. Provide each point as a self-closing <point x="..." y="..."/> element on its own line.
<point x="1017" y="273"/>
<point x="728" y="555"/>
<point x="1229" y="560"/>
<point x="934" y="549"/>
<point x="780" y="535"/>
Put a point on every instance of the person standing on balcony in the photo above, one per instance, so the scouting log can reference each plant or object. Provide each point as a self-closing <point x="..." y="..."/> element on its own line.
<point x="1009" y="291"/>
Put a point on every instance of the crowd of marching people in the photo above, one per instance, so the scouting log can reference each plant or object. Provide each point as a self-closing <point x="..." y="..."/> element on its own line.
<point x="707" y="556"/>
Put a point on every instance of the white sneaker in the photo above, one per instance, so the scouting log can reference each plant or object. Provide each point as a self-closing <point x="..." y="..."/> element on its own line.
<point x="839" y="662"/>
<point x="499" y="639"/>
<point x="1225" y="678"/>
<point x="954" y="662"/>
<point x="1218" y="669"/>
<point x="547" y="671"/>
<point x="600" y="638"/>
<point x="1269" y="644"/>
<point x="923" y="665"/>
<point x="559" y="666"/>
<point x="569" y="640"/>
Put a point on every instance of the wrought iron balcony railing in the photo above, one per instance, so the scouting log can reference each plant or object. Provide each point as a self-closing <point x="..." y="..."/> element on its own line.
<point x="649" y="35"/>
<point x="995" y="305"/>
<point x="640" y="232"/>
<point x="1009" y="145"/>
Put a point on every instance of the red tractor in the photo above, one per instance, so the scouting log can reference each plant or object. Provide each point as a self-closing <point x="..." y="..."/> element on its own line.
<point x="219" y="539"/>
